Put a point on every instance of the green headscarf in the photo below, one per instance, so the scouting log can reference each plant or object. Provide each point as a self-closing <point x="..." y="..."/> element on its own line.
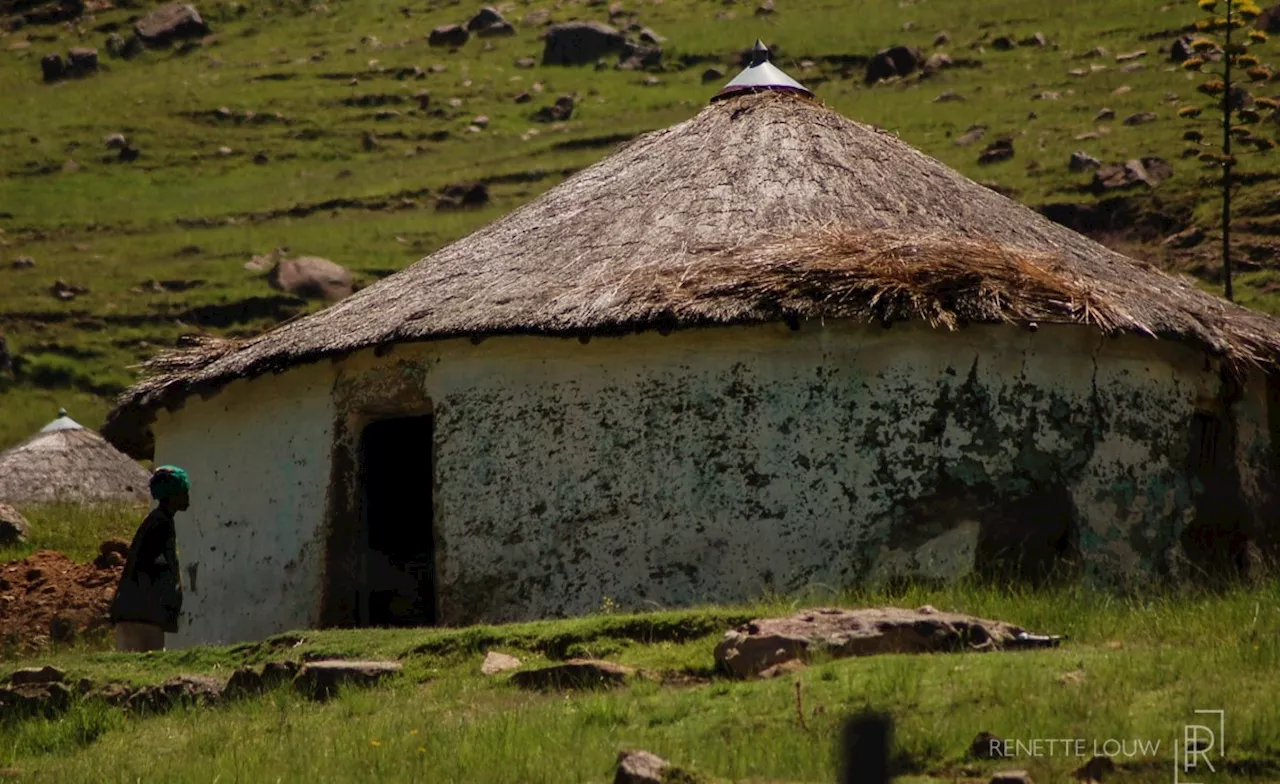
<point x="168" y="481"/>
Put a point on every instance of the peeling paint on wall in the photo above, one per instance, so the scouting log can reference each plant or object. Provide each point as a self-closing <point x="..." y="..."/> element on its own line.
<point x="716" y="465"/>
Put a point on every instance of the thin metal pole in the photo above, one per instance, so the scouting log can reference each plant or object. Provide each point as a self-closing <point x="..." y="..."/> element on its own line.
<point x="1226" y="152"/>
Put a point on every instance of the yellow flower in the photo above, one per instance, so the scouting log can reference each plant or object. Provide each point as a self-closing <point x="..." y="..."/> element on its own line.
<point x="413" y="731"/>
<point x="375" y="743"/>
<point x="422" y="749"/>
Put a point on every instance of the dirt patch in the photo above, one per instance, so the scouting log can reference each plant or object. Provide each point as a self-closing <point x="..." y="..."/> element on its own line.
<point x="47" y="597"/>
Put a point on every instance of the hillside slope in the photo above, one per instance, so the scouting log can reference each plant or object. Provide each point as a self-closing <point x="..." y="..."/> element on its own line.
<point x="333" y="129"/>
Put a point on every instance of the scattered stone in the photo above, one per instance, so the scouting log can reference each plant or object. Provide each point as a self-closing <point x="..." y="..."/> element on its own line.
<point x="1188" y="238"/>
<point x="560" y="111"/>
<point x="950" y="96"/>
<point x="649" y="36"/>
<point x="195" y="689"/>
<point x="495" y="663"/>
<point x="1133" y="68"/>
<point x="45" y="674"/>
<point x="1122" y="90"/>
<point x="82" y="61"/>
<point x="34" y="699"/>
<point x="641" y="767"/>
<point x="261" y="158"/>
<point x="170" y="22"/>
<point x="225" y="151"/>
<point x="783" y="668"/>
<point x="1095" y="770"/>
<point x="894" y="61"/>
<point x="320" y="680"/>
<point x="251" y="682"/>
<point x="499" y="30"/>
<point x="574" y="674"/>
<point x="1141" y="118"/>
<point x="766" y="8"/>
<point x="52" y="67"/>
<point x="523" y="97"/>
<point x="1123" y="58"/>
<point x="1181" y="49"/>
<point x="461" y="195"/>
<point x="1035" y="40"/>
<point x="480" y="121"/>
<point x="128" y="154"/>
<point x="986" y="746"/>
<point x="526" y="62"/>
<point x="383" y="115"/>
<point x="1047" y="95"/>
<point x="1011" y="777"/>
<point x="485" y="17"/>
<point x="1081" y="161"/>
<point x="1120" y="176"/>
<point x="123" y="48"/>
<point x="1077" y="72"/>
<point x="65" y="291"/>
<point x="311" y="277"/>
<point x="22" y="262"/>
<point x="1002" y="44"/>
<point x="13" y="526"/>
<point x="452" y="36"/>
<point x="635" y="57"/>
<point x="115" y="141"/>
<point x="971" y="136"/>
<point x="580" y="43"/>
<point x="937" y="62"/>
<point x="941" y="39"/>
<point x="1104" y="114"/>
<point x="712" y="75"/>
<point x="755" y="646"/>
<point x="999" y="150"/>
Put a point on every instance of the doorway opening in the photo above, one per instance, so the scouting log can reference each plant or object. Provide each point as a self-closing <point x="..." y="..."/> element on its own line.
<point x="396" y="477"/>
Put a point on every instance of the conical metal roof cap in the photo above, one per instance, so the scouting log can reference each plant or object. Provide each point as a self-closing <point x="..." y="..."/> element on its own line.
<point x="760" y="75"/>
<point x="63" y="422"/>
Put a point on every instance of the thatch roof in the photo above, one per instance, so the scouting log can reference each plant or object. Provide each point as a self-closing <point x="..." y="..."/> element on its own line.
<point x="762" y="207"/>
<point x="66" y="462"/>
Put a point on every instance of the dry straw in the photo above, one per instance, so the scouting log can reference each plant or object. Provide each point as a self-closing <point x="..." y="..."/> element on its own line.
<point x="761" y="207"/>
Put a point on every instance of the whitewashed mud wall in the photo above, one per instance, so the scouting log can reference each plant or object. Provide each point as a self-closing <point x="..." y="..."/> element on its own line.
<point x="707" y="466"/>
<point x="717" y="465"/>
<point x="258" y="457"/>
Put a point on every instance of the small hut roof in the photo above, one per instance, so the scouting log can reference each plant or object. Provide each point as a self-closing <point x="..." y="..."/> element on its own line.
<point x="762" y="207"/>
<point x="66" y="462"/>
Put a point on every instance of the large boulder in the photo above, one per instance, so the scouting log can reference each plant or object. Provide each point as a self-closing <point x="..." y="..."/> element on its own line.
<point x="758" y="645"/>
<point x="1148" y="172"/>
<point x="21" y="700"/>
<point x="13" y="526"/>
<point x="311" y="277"/>
<point x="488" y="23"/>
<point x="580" y="43"/>
<point x="82" y="61"/>
<point x="320" y="680"/>
<point x="451" y="36"/>
<point x="496" y="663"/>
<point x="574" y="674"/>
<point x="170" y="22"/>
<point x="52" y="67"/>
<point x="29" y="675"/>
<point x="894" y="61"/>
<point x="189" y="689"/>
<point x="641" y="767"/>
<point x="1269" y="20"/>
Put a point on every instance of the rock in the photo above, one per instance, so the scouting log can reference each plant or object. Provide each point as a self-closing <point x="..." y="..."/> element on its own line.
<point x="755" y="646"/>
<point x="937" y="62"/>
<point x="580" y="43"/>
<point x="712" y="75"/>
<point x="62" y="629"/>
<point x="109" y="560"/>
<point x="1081" y="161"/>
<point x="1181" y="49"/>
<point x="65" y="291"/>
<point x="650" y="37"/>
<point x="82" y="61"/>
<point x="559" y="112"/>
<point x="1104" y="114"/>
<point x="766" y="8"/>
<point x="574" y="674"/>
<point x="34" y="699"/>
<point x="485" y="17"/>
<point x="128" y="154"/>
<point x="524" y="97"/>
<point x="244" y="682"/>
<point x="635" y="57"/>
<point x="1269" y="20"/>
<point x="1011" y="777"/>
<point x="1188" y="238"/>
<point x="1142" y="118"/>
<point x="22" y="262"/>
<point x="124" y="48"/>
<point x="1094" y="770"/>
<point x="942" y="39"/>
<point x="463" y="195"/>
<point x="1126" y="57"/>
<point x="6" y="365"/>
<point x="971" y="136"/>
<point x="1121" y="176"/>
<point x="52" y="67"/>
<point x="783" y="668"/>
<point x="1002" y="44"/>
<point x="999" y="150"/>
<point x="114" y="694"/>
<point x="526" y="62"/>
<point x="45" y="674"/>
<point x="894" y="61"/>
<point x="451" y="36"/>
<point x="261" y="158"/>
<point x="311" y="277"/>
<point x="117" y="546"/>
<point x="499" y="30"/>
<point x="320" y="680"/>
<point x="640" y="767"/>
<point x="950" y="96"/>
<point x="986" y="746"/>
<point x="13" y="526"/>
<point x="195" y="689"/>
<point x="1133" y="67"/>
<point x="495" y="663"/>
<point x="170" y="22"/>
<point x="115" y="141"/>
<point x="1035" y="40"/>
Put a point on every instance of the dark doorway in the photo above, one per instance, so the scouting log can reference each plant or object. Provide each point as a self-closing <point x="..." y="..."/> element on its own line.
<point x="398" y="588"/>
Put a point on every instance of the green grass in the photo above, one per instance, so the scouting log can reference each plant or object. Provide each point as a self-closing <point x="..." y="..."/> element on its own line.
<point x="1139" y="668"/>
<point x="76" y="531"/>
<point x="182" y="212"/>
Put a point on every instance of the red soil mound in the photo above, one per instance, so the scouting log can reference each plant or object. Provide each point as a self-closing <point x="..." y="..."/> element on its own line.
<point x="48" y="597"/>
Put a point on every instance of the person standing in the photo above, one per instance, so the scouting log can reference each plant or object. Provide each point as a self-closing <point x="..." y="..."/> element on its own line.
<point x="149" y="596"/>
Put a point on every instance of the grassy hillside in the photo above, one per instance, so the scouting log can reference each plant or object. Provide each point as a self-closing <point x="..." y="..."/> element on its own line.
<point x="160" y="243"/>
<point x="1131" y="669"/>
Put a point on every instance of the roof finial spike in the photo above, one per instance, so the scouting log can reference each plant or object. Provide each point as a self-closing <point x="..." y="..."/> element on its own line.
<point x="61" y="413"/>
<point x="759" y="53"/>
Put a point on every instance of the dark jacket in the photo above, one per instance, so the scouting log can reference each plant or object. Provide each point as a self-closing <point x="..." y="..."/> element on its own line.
<point x="150" y="589"/>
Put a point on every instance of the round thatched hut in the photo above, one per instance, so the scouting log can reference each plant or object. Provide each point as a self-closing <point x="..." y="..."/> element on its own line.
<point x="66" y="462"/>
<point x="767" y="348"/>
